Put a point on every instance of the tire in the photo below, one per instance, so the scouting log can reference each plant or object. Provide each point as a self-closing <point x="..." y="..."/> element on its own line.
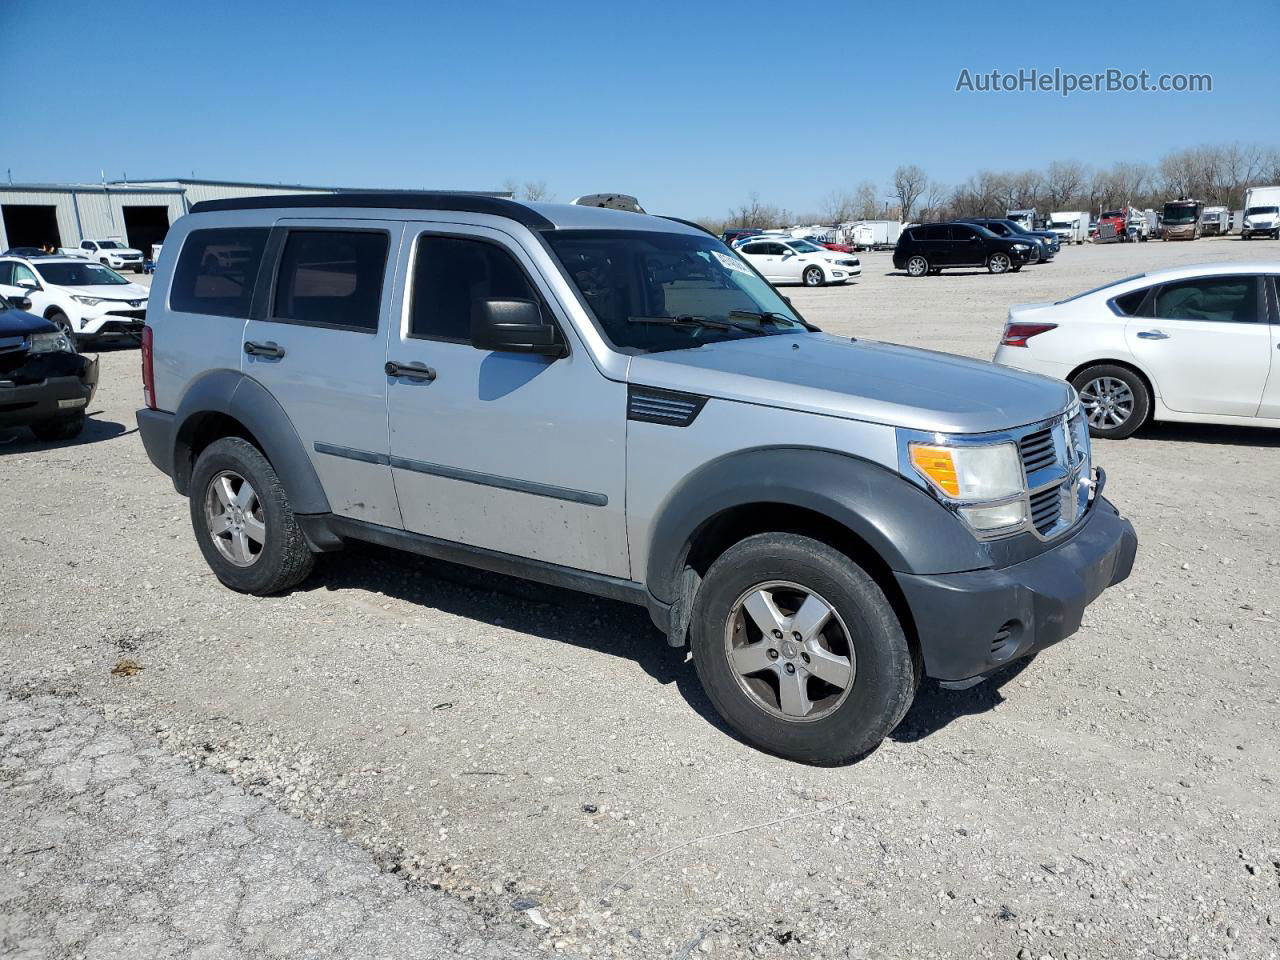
<point x="1118" y="419"/>
<point x="62" y="322"/>
<point x="64" y="428"/>
<point x="273" y="558"/>
<point x="843" y="723"/>
<point x="813" y="277"/>
<point x="999" y="263"/>
<point x="918" y="266"/>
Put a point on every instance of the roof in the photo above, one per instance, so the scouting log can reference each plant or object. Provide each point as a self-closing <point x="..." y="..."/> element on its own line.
<point x="291" y="186"/>
<point x="535" y="216"/>
<point x="86" y="188"/>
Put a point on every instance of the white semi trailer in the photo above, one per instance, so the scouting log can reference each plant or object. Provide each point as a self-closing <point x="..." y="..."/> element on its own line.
<point x="1071" y="226"/>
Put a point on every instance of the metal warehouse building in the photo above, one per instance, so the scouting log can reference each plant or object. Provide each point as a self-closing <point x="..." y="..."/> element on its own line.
<point x="137" y="211"/>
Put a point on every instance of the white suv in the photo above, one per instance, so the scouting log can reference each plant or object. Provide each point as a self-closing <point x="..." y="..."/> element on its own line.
<point x="789" y="260"/>
<point x="86" y="300"/>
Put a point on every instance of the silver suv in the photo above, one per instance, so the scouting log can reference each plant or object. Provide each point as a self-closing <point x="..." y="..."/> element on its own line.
<point x="619" y="403"/>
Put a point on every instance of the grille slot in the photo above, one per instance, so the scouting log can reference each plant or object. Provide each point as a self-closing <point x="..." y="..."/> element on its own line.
<point x="1003" y="641"/>
<point x="1046" y="508"/>
<point x="1037" y="450"/>
<point x="647" y="405"/>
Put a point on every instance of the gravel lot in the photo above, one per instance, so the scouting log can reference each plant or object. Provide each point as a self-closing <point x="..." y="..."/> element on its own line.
<point x="522" y="749"/>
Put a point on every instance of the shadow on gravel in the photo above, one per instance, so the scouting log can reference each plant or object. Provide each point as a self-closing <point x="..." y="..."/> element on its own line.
<point x="22" y="440"/>
<point x="1210" y="433"/>
<point x="936" y="707"/>
<point x="609" y="627"/>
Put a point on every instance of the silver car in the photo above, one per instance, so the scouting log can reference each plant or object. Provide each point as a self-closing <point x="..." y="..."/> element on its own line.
<point x="621" y="404"/>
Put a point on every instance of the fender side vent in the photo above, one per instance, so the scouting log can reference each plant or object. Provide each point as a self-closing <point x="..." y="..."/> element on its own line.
<point x="650" y="405"/>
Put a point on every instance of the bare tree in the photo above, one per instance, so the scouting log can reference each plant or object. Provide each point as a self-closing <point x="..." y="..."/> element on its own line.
<point x="910" y="182"/>
<point x="1064" y="183"/>
<point x="866" y="201"/>
<point x="536" y="190"/>
<point x="839" y="206"/>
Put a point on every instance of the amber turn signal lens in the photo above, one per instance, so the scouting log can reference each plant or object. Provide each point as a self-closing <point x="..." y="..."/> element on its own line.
<point x="938" y="465"/>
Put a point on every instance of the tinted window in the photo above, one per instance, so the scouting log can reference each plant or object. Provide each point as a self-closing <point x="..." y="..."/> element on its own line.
<point x="936" y="233"/>
<point x="755" y="248"/>
<point x="217" y="270"/>
<point x="450" y="274"/>
<point x="963" y="232"/>
<point x="6" y="273"/>
<point x="331" y="278"/>
<point x="1128" y="303"/>
<point x="1221" y="299"/>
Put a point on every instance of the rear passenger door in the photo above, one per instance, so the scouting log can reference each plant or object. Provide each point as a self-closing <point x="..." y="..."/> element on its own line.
<point x="317" y="340"/>
<point x="517" y="453"/>
<point x="1206" y="343"/>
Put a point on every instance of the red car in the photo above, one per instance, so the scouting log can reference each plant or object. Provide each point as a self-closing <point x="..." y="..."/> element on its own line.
<point x="837" y="247"/>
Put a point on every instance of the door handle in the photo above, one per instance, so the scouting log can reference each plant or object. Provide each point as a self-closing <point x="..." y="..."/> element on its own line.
<point x="411" y="371"/>
<point x="268" y="349"/>
<point x="1152" y="335"/>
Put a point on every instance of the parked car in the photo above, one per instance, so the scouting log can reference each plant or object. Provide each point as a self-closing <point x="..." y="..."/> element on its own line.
<point x="625" y="407"/>
<point x="792" y="260"/>
<point x="44" y="384"/>
<point x="1261" y="213"/>
<point x="1046" y="242"/>
<point x="24" y="252"/>
<point x="85" y="300"/>
<point x="738" y="234"/>
<point x="930" y="248"/>
<point x="111" y="253"/>
<point x="1193" y="344"/>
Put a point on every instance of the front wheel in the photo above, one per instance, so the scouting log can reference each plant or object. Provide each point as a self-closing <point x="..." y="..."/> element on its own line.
<point x="999" y="263"/>
<point x="65" y="428"/>
<point x="63" y="323"/>
<point x="800" y="651"/>
<point x="1115" y="400"/>
<point x="243" y="522"/>
<point x="814" y="277"/>
<point x="918" y="266"/>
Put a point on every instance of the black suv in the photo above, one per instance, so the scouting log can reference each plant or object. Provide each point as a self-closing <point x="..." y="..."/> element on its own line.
<point x="1047" y="242"/>
<point x="934" y="247"/>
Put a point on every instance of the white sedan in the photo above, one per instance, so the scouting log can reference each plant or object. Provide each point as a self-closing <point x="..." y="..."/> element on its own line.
<point x="1195" y="344"/>
<point x="790" y="260"/>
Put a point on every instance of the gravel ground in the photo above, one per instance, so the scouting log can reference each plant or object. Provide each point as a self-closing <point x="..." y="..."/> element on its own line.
<point x="520" y="748"/>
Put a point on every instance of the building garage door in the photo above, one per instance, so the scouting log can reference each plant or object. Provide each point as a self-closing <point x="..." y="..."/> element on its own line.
<point x="30" y="224"/>
<point x="144" y="226"/>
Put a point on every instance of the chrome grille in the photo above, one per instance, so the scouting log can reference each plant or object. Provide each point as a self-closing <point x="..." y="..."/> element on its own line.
<point x="1037" y="450"/>
<point x="1046" y="508"/>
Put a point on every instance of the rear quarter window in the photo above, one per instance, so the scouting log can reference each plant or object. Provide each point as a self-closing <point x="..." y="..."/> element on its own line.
<point x="217" y="270"/>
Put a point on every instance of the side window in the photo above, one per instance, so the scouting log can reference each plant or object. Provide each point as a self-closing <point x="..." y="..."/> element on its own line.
<point x="1128" y="303"/>
<point x="452" y="273"/>
<point x="1220" y="299"/>
<point x="6" y="273"/>
<point x="216" y="271"/>
<point x="22" y="272"/>
<point x="961" y="232"/>
<point x="758" y="249"/>
<point x="936" y="232"/>
<point x="332" y="278"/>
<point x="776" y="249"/>
<point x="86" y="244"/>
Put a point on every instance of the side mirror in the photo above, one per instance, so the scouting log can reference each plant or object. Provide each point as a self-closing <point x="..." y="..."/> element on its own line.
<point x="513" y="326"/>
<point x="788" y="254"/>
<point x="21" y="303"/>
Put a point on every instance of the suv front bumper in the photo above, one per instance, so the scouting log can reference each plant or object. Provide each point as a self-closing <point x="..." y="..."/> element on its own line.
<point x="970" y="624"/>
<point x="54" y="387"/>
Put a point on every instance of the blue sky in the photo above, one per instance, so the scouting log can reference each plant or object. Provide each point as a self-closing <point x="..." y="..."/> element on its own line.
<point x="690" y="106"/>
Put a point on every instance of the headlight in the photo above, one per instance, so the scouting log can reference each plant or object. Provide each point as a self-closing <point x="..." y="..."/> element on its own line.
<point x="51" y="343"/>
<point x="87" y="301"/>
<point x="975" y="472"/>
<point x="1021" y="246"/>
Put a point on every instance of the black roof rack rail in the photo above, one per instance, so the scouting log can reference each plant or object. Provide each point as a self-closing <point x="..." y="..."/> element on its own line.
<point x="408" y="200"/>
<point x="688" y="223"/>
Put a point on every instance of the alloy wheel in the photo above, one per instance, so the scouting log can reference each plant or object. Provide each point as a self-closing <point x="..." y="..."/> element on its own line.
<point x="790" y="651"/>
<point x="1108" y="402"/>
<point x="999" y="263"/>
<point x="917" y="266"/>
<point x="233" y="513"/>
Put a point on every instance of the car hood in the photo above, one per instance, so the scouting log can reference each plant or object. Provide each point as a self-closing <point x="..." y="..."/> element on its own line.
<point x="860" y="380"/>
<point x="117" y="251"/>
<point x="19" y="323"/>
<point x="111" y="291"/>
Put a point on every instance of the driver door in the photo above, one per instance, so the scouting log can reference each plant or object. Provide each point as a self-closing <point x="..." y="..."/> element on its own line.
<point x="790" y="263"/>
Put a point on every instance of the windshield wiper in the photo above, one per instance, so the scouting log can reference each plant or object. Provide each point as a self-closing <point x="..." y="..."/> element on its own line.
<point x="689" y="320"/>
<point x="774" y="316"/>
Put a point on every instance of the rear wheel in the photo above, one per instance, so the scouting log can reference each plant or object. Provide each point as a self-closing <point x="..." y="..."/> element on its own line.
<point x="918" y="266"/>
<point x="999" y="263"/>
<point x="800" y="651"/>
<point x="62" y="322"/>
<point x="1115" y="400"/>
<point x="243" y="522"/>
<point x="814" y="277"/>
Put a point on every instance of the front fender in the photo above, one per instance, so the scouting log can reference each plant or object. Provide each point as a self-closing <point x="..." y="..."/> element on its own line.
<point x="908" y="529"/>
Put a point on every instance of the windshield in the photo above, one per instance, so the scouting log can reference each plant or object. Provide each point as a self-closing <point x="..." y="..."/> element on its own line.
<point x="78" y="275"/>
<point x="1111" y="214"/>
<point x="110" y="245"/>
<point x="1059" y="225"/>
<point x="804" y="246"/>
<point x="625" y="274"/>
<point x="1260" y="211"/>
<point x="1105" y="286"/>
<point x="1179" y="214"/>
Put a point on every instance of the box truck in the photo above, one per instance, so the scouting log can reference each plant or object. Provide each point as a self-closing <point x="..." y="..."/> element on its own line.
<point x="1071" y="226"/>
<point x="1261" y="213"/>
<point x="1215" y="221"/>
